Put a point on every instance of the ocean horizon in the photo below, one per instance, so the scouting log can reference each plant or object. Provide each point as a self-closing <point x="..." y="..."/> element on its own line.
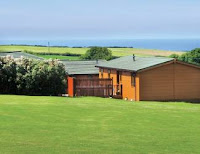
<point x="159" y="44"/>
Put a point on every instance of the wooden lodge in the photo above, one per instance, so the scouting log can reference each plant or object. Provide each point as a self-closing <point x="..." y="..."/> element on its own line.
<point x="152" y="79"/>
<point x="136" y="78"/>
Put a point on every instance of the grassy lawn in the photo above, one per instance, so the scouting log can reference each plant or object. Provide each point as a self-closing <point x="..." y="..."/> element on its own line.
<point x="59" y="57"/>
<point x="115" y="51"/>
<point x="97" y="125"/>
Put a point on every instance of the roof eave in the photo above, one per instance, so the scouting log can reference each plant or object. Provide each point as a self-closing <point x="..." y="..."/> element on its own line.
<point x="140" y="70"/>
<point x="119" y="69"/>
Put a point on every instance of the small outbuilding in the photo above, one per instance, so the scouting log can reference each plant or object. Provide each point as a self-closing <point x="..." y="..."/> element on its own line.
<point x="82" y="69"/>
<point x="82" y="76"/>
<point x="152" y="79"/>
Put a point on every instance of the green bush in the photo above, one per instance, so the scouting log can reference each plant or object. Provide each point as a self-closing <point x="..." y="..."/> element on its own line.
<point x="31" y="77"/>
<point x="192" y="56"/>
<point x="95" y="53"/>
<point x="7" y="75"/>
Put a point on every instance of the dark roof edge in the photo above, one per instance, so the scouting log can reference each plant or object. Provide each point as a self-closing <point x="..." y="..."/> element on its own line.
<point x="172" y="60"/>
<point x="157" y="65"/>
<point x="84" y="74"/>
<point x="188" y="64"/>
<point x="115" y="68"/>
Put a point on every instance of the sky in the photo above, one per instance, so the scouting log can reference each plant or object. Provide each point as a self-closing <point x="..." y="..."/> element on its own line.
<point x="106" y="19"/>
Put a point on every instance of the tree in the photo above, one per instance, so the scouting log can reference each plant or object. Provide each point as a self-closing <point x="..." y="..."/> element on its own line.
<point x="192" y="56"/>
<point x="95" y="53"/>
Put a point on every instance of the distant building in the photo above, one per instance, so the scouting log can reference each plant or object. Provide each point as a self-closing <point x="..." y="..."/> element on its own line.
<point x="82" y="69"/>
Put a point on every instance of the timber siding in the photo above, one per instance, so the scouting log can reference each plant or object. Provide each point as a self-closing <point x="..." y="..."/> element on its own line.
<point x="157" y="83"/>
<point x="187" y="82"/>
<point x="170" y="82"/>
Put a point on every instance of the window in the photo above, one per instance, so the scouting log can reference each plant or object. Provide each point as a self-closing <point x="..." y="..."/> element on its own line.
<point x="101" y="73"/>
<point x="119" y="77"/>
<point x="109" y="71"/>
<point x="133" y="79"/>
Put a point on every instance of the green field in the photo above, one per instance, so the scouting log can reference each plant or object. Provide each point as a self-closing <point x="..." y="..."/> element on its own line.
<point x="60" y="57"/>
<point x="115" y="51"/>
<point x="97" y="125"/>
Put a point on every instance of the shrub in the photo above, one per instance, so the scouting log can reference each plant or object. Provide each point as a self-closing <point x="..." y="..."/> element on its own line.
<point x="32" y="77"/>
<point x="95" y="53"/>
<point x="7" y="75"/>
<point x="192" y="56"/>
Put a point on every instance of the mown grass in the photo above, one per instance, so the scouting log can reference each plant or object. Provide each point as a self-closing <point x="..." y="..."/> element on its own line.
<point x="97" y="125"/>
<point x="115" y="51"/>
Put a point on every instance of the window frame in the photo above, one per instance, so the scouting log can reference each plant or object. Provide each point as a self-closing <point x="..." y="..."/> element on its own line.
<point x="133" y="81"/>
<point x="109" y="72"/>
<point x="101" y="72"/>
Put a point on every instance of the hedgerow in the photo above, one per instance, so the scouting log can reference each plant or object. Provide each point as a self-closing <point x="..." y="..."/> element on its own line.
<point x="31" y="77"/>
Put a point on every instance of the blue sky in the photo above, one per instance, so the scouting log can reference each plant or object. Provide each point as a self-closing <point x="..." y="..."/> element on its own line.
<point x="74" y="19"/>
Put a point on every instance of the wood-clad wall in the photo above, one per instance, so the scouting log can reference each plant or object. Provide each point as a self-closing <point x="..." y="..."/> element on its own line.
<point x="157" y="83"/>
<point x="170" y="82"/>
<point x="187" y="82"/>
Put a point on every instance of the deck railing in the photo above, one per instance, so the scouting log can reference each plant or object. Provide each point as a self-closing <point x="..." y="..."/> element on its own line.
<point x="117" y="90"/>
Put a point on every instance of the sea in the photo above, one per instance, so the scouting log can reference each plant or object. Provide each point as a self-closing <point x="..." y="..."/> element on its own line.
<point x="160" y="44"/>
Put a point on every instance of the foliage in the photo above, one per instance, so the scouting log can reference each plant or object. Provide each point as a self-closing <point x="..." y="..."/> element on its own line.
<point x="174" y="56"/>
<point x="59" y="57"/>
<point x="7" y="75"/>
<point x="31" y="77"/>
<point x="51" y="53"/>
<point x="95" y="53"/>
<point x="192" y="57"/>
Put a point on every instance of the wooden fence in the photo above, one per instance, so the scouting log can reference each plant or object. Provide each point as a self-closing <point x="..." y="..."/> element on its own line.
<point x="93" y="87"/>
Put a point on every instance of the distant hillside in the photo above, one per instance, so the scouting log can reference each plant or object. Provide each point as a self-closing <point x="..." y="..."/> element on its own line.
<point x="78" y="50"/>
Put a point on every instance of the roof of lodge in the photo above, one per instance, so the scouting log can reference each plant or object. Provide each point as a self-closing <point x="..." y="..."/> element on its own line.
<point x="140" y="63"/>
<point x="19" y="54"/>
<point x="82" y="67"/>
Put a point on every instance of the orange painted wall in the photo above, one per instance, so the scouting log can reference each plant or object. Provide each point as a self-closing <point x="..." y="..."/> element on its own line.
<point x="71" y="86"/>
<point x="128" y="90"/>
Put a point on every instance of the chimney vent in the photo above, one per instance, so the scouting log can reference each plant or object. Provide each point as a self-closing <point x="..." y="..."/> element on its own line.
<point x="97" y="61"/>
<point x="133" y="57"/>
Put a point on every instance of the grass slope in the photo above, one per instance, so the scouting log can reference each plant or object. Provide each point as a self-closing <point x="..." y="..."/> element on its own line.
<point x="115" y="51"/>
<point x="96" y="125"/>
